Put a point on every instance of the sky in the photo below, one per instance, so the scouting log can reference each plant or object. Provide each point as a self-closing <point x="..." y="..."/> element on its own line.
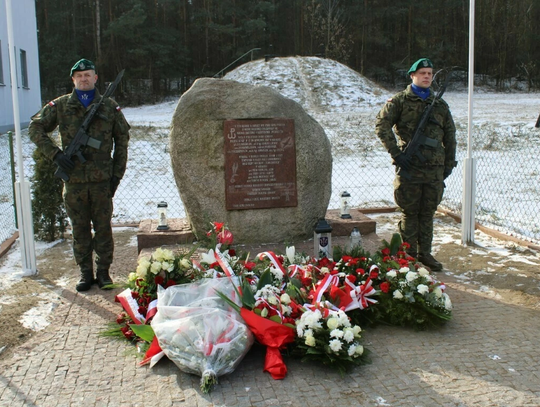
<point x="345" y="104"/>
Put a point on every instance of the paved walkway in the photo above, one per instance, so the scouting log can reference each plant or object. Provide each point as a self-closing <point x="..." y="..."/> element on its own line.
<point x="487" y="355"/>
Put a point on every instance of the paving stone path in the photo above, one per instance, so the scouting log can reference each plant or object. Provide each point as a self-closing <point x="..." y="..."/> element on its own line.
<point x="487" y="355"/>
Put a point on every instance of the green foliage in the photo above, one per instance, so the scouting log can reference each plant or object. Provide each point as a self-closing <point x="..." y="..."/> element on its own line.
<point x="49" y="214"/>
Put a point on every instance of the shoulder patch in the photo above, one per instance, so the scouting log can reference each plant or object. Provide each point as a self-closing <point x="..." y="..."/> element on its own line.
<point x="51" y="103"/>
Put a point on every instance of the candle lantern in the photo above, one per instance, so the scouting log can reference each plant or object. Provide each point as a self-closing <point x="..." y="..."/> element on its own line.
<point x="162" y="216"/>
<point x="355" y="238"/>
<point x="322" y="239"/>
<point x="345" y="198"/>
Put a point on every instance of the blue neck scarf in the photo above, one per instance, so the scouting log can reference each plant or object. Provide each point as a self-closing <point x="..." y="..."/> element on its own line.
<point x="421" y="92"/>
<point x="85" y="96"/>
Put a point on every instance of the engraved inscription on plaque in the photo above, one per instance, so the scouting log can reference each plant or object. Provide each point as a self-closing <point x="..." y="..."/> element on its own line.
<point x="260" y="164"/>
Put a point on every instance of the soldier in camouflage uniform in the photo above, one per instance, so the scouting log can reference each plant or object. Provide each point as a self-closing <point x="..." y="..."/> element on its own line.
<point x="419" y="196"/>
<point x="89" y="192"/>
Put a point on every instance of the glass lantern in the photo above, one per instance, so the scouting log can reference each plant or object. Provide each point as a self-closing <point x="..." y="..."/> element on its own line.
<point x="355" y="239"/>
<point x="345" y="198"/>
<point x="162" y="216"/>
<point x="322" y="239"/>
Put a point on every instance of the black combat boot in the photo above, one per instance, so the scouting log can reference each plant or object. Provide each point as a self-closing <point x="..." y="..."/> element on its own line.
<point x="429" y="261"/>
<point x="103" y="279"/>
<point x="86" y="281"/>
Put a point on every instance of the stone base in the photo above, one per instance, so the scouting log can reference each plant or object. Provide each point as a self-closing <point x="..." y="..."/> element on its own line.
<point x="148" y="235"/>
<point x="179" y="231"/>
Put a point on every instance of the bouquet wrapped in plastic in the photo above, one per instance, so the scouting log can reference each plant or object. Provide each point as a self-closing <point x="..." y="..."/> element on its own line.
<point x="199" y="331"/>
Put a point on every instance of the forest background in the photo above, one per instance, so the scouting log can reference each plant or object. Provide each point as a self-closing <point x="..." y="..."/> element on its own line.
<point x="166" y="44"/>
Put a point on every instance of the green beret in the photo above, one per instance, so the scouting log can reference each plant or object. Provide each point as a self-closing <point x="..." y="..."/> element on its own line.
<point x="83" y="65"/>
<point x="421" y="63"/>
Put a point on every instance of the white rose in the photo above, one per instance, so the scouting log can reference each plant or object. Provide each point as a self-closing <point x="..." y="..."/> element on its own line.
<point x="411" y="276"/>
<point x="167" y="266"/>
<point x="423" y="271"/>
<point x="359" y="349"/>
<point x="332" y="323"/>
<point x="185" y="263"/>
<point x="285" y="299"/>
<point x="356" y="330"/>
<point x="156" y="267"/>
<point x="438" y="292"/>
<point x="273" y="300"/>
<point x="404" y="270"/>
<point x="447" y="302"/>
<point x="158" y="254"/>
<point x="142" y="271"/>
<point x="348" y="335"/>
<point x="324" y="270"/>
<point x="264" y="312"/>
<point x="398" y="295"/>
<point x="310" y="340"/>
<point x="132" y="276"/>
<point x="422" y="289"/>
<point x="391" y="274"/>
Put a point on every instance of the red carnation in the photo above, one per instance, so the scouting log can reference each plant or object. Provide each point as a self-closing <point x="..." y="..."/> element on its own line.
<point x="385" y="287"/>
<point x="386" y="251"/>
<point x="170" y="283"/>
<point x="159" y="280"/>
<point x="374" y="274"/>
<point x="361" y="271"/>
<point x="351" y="278"/>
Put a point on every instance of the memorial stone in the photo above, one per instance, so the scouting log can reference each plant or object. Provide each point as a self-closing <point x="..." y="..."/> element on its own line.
<point x="252" y="158"/>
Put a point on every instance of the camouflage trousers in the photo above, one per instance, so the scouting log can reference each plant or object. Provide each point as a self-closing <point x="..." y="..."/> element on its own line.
<point x="89" y="205"/>
<point x="418" y="202"/>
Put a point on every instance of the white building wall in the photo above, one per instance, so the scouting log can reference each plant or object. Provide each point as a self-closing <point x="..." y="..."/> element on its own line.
<point x="25" y="33"/>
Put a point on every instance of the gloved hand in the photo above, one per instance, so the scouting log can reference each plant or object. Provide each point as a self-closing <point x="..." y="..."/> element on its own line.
<point x="403" y="161"/>
<point x="115" y="181"/>
<point x="63" y="162"/>
<point x="447" y="172"/>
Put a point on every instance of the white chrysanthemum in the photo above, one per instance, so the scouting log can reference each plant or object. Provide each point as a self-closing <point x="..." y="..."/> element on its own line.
<point x="422" y="289"/>
<point x="447" y="302"/>
<point x="267" y="292"/>
<point x="336" y="333"/>
<point x="310" y="340"/>
<point x="398" y="295"/>
<point x="156" y="267"/>
<point x="299" y="330"/>
<point x="411" y="276"/>
<point x="391" y="274"/>
<point x="277" y="273"/>
<point x="423" y="271"/>
<point x="348" y="335"/>
<point x="404" y="270"/>
<point x="286" y="310"/>
<point x="352" y="350"/>
<point x="343" y="318"/>
<point x="311" y="319"/>
<point x="438" y="292"/>
<point x="335" y="345"/>
<point x="332" y="323"/>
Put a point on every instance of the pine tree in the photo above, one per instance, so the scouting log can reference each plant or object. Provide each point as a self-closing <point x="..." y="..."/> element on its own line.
<point x="49" y="214"/>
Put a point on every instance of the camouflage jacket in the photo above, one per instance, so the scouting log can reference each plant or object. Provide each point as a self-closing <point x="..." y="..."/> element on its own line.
<point x="108" y="126"/>
<point x="397" y="121"/>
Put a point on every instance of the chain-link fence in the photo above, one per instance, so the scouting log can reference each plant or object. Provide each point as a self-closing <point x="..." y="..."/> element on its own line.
<point x="508" y="175"/>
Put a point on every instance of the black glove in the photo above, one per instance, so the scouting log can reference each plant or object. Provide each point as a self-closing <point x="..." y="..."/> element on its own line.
<point x="447" y="172"/>
<point x="63" y="162"/>
<point x="115" y="181"/>
<point x="403" y="161"/>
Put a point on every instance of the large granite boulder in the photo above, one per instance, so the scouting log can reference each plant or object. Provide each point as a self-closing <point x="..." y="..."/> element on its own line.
<point x="197" y="156"/>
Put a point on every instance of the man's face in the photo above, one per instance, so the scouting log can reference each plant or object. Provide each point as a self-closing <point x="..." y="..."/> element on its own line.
<point x="422" y="77"/>
<point x="84" y="80"/>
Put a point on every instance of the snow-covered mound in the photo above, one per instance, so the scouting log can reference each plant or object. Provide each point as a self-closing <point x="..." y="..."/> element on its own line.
<point x="318" y="84"/>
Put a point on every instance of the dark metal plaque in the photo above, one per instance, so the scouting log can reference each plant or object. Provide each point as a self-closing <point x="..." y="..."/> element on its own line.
<point x="260" y="164"/>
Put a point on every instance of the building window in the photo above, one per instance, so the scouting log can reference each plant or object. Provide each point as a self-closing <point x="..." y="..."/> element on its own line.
<point x="1" y="66"/>
<point x="24" y="69"/>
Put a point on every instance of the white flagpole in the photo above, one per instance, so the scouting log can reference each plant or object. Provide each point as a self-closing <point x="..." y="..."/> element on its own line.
<point x="22" y="187"/>
<point x="469" y="165"/>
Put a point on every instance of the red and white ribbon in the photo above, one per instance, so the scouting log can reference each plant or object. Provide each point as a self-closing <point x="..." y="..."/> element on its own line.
<point x="273" y="259"/>
<point x="220" y="258"/>
<point x="360" y="296"/>
<point x="326" y="282"/>
<point x="130" y="306"/>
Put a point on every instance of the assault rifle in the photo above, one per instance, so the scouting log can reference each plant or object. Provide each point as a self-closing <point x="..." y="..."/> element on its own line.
<point x="419" y="138"/>
<point x="82" y="138"/>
